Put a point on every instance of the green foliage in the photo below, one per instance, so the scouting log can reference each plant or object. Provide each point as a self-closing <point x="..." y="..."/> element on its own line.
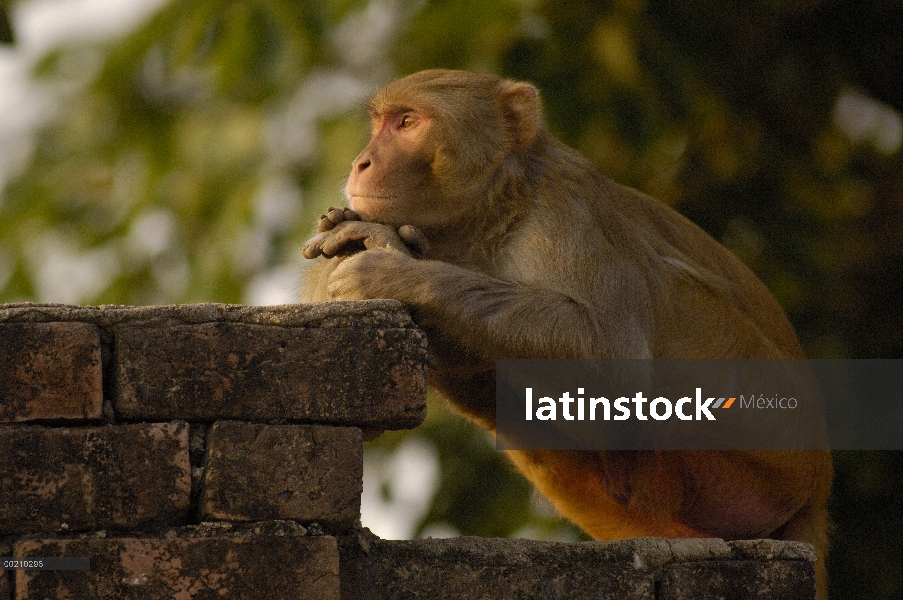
<point x="188" y="161"/>
<point x="173" y="135"/>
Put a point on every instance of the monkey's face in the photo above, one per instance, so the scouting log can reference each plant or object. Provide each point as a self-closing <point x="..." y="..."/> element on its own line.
<point x="390" y="174"/>
<point x="435" y="146"/>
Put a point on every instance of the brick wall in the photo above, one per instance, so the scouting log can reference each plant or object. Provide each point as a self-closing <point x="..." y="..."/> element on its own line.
<point x="214" y="451"/>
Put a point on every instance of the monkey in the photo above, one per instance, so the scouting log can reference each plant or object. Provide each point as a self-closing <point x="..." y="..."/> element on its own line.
<point x="503" y="242"/>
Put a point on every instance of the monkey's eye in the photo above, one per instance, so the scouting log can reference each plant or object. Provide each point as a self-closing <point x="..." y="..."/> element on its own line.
<point x="406" y="121"/>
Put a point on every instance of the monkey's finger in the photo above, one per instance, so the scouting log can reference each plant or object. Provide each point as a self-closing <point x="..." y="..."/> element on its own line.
<point x="324" y="224"/>
<point x="348" y="233"/>
<point x="308" y="252"/>
<point x="335" y="215"/>
<point x="415" y="239"/>
<point x="351" y="215"/>
<point x="313" y="247"/>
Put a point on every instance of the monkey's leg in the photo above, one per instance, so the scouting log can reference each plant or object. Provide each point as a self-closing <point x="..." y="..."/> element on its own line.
<point x="577" y="490"/>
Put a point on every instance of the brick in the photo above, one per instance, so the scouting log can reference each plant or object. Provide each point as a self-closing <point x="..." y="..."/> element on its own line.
<point x="368" y="377"/>
<point x="50" y="371"/>
<point x="127" y="476"/>
<point x="488" y="569"/>
<point x="263" y="568"/>
<point x="308" y="473"/>
<point x="738" y="579"/>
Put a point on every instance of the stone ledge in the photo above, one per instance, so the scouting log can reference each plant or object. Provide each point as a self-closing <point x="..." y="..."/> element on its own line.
<point x="632" y="569"/>
<point x="357" y="364"/>
<point x="363" y="313"/>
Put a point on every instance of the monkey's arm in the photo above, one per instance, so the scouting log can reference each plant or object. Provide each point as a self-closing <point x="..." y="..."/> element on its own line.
<point x="315" y="278"/>
<point x="492" y="318"/>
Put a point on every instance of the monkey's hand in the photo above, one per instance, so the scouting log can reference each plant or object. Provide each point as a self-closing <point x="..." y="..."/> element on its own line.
<point x="334" y="216"/>
<point x="370" y="274"/>
<point x="313" y="247"/>
<point x="341" y="232"/>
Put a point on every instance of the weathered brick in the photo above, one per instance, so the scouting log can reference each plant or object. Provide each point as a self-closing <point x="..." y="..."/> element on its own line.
<point x="368" y="377"/>
<point x="50" y="371"/>
<point x="93" y="478"/>
<point x="263" y="568"/>
<point x="488" y="569"/>
<point x="739" y="579"/>
<point x="304" y="472"/>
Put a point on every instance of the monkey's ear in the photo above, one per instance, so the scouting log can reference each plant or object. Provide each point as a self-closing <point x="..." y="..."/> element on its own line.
<point x="520" y="105"/>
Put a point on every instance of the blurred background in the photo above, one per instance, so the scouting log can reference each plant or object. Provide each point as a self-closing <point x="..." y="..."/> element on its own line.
<point x="169" y="152"/>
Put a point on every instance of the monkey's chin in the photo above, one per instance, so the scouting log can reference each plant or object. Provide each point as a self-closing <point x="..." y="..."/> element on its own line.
<point x="371" y="208"/>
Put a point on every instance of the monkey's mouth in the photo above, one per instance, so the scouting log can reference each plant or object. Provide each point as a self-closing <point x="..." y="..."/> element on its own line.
<point x="365" y="203"/>
<point x="366" y="197"/>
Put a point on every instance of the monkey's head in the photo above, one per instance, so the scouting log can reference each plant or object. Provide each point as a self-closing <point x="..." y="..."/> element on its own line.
<point x="439" y="138"/>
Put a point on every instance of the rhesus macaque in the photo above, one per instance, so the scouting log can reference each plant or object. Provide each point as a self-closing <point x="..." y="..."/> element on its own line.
<point x="505" y="243"/>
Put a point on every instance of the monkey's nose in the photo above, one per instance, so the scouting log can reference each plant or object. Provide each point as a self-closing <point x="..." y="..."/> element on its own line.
<point x="360" y="166"/>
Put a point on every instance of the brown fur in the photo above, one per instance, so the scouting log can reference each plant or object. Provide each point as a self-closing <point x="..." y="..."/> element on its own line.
<point x="535" y="254"/>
